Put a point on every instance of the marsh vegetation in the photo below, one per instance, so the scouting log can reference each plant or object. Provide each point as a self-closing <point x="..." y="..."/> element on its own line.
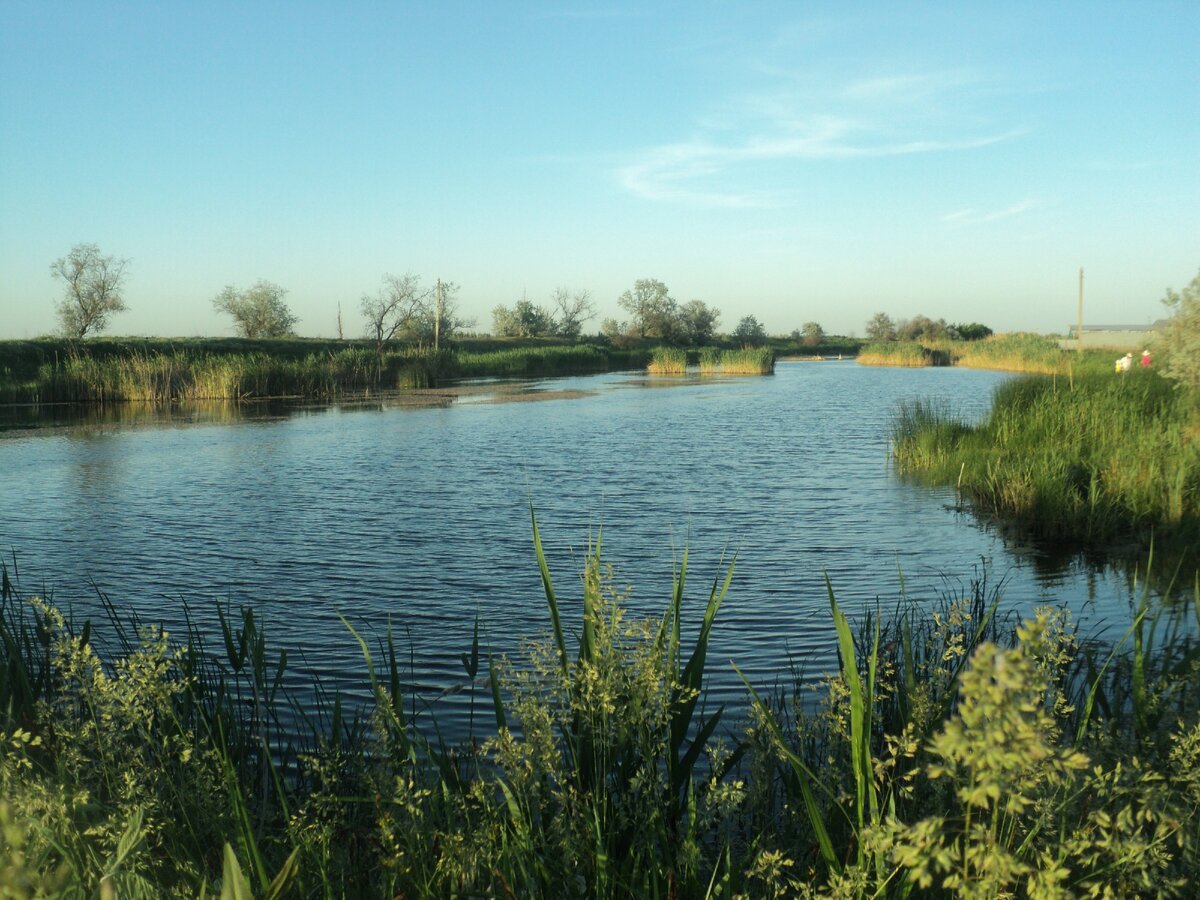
<point x="953" y="748"/>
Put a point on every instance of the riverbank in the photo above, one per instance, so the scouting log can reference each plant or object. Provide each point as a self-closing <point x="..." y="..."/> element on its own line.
<point x="953" y="747"/>
<point x="1094" y="460"/>
<point x="1031" y="354"/>
<point x="165" y="371"/>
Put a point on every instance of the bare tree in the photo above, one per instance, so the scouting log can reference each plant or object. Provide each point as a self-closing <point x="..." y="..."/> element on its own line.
<point x="93" y="289"/>
<point x="397" y="308"/>
<point x="573" y="311"/>
<point x="258" y="311"/>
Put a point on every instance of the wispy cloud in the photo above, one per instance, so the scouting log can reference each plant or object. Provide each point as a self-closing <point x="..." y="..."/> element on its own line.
<point x="700" y="171"/>
<point x="979" y="217"/>
<point x="743" y="143"/>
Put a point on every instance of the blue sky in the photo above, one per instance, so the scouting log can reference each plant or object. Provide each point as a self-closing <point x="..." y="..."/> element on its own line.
<point x="798" y="162"/>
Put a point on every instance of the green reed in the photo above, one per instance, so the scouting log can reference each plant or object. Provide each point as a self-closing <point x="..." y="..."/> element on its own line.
<point x="748" y="361"/>
<point x="1090" y="459"/>
<point x="667" y="361"/>
<point x="952" y="750"/>
<point x="709" y="359"/>
<point x="185" y="371"/>
<point x="1019" y="352"/>
<point x="896" y="353"/>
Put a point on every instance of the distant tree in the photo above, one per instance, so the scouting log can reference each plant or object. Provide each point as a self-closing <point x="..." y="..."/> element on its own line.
<point x="619" y="334"/>
<point x="654" y="312"/>
<point x="812" y="334"/>
<point x="525" y="319"/>
<point x="971" y="331"/>
<point x="922" y="327"/>
<point x="93" y="284"/>
<point x="1179" y="340"/>
<point x="395" y="308"/>
<point x="421" y="330"/>
<point x="698" y="322"/>
<point x="881" y="328"/>
<point x="573" y="311"/>
<point x="258" y="311"/>
<point x="749" y="333"/>
<point x="504" y="321"/>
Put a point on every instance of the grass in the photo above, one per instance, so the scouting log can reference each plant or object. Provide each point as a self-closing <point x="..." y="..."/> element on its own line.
<point x="748" y="361"/>
<point x="1030" y="354"/>
<point x="709" y="360"/>
<point x="189" y="370"/>
<point x="668" y="361"/>
<point x="1094" y="459"/>
<point x="900" y="353"/>
<point x="954" y="749"/>
<point x="1020" y="352"/>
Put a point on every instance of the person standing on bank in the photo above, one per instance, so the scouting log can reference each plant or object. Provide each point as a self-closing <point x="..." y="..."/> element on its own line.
<point x="1145" y="359"/>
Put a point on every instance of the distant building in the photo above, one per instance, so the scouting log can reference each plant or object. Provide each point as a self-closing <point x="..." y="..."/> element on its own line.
<point x="1112" y="337"/>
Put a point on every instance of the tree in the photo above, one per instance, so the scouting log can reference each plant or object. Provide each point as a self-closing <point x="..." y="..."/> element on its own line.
<point x="1179" y="340"/>
<point x="525" y="319"/>
<point x="881" y="328"/>
<point x="698" y="322"/>
<point x="749" y="333"/>
<point x="573" y="311"/>
<point x="258" y="311"/>
<point x="812" y="334"/>
<point x="919" y="327"/>
<point x="654" y="311"/>
<point x="619" y="334"/>
<point x="93" y="289"/>
<point x="971" y="331"/>
<point x="426" y="326"/>
<point x="395" y="308"/>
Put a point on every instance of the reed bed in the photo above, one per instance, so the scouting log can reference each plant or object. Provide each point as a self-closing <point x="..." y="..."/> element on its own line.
<point x="189" y="371"/>
<point x="1090" y="459"/>
<point x="709" y="360"/>
<point x="748" y="361"/>
<point x="1032" y="354"/>
<point x="898" y="353"/>
<point x="953" y="747"/>
<point x="579" y="359"/>
<point x="667" y="361"/>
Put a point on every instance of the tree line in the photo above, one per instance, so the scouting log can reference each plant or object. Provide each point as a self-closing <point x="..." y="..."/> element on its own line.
<point x="881" y="328"/>
<point x="403" y="309"/>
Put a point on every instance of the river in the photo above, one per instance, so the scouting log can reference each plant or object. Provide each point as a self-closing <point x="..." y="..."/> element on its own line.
<point x="417" y="508"/>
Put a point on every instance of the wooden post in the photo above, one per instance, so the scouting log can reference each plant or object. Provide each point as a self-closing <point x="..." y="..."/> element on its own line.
<point x="1079" y="332"/>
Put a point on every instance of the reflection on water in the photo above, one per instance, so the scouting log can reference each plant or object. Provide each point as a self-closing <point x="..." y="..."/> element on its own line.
<point x="82" y="419"/>
<point x="414" y="508"/>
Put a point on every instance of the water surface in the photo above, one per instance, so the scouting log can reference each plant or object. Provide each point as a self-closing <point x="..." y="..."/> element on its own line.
<point x="417" y="509"/>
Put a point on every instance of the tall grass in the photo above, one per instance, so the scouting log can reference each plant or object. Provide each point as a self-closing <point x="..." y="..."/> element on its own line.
<point x="709" y="360"/>
<point x="187" y="371"/>
<point x="900" y="353"/>
<point x="953" y="751"/>
<point x="1019" y="352"/>
<point x="1090" y="459"/>
<point x="748" y="361"/>
<point x="667" y="361"/>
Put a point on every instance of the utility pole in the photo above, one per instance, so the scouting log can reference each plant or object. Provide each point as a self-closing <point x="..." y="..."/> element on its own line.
<point x="1079" y="331"/>
<point x="437" y="314"/>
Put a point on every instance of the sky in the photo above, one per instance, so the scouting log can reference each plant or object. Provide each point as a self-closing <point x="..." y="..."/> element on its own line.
<point x="793" y="161"/>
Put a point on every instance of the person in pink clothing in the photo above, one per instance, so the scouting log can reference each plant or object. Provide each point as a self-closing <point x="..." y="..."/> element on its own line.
<point x="1145" y="359"/>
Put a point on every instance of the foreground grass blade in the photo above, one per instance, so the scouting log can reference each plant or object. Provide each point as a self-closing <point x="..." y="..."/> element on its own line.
<point x="548" y="586"/>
